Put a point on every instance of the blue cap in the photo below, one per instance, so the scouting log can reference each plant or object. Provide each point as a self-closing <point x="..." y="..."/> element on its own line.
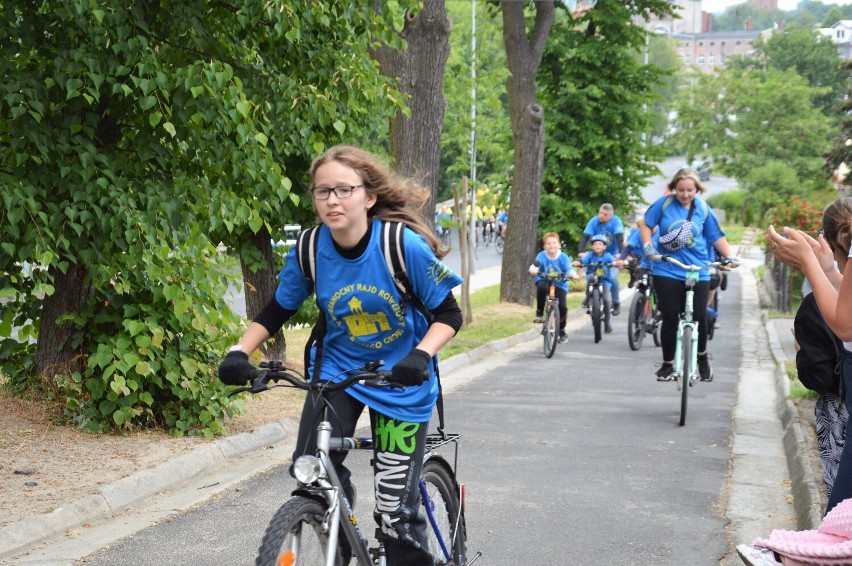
<point x="598" y="238"/>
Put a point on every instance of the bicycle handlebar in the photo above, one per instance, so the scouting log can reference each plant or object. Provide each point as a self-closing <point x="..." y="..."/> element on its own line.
<point x="368" y="375"/>
<point x="670" y="259"/>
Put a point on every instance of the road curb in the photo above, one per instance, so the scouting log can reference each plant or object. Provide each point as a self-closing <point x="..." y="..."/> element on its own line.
<point x="125" y="493"/>
<point x="128" y="492"/>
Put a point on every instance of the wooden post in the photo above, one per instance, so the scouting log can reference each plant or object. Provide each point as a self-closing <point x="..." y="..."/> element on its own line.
<point x="464" y="251"/>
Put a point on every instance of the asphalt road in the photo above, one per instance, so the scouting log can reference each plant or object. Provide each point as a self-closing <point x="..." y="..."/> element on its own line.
<point x="572" y="460"/>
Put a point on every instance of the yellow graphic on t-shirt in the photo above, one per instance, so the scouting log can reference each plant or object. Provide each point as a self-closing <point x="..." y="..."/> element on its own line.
<point x="362" y="323"/>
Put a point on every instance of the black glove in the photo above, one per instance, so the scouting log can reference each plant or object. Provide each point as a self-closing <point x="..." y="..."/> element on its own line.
<point x="235" y="369"/>
<point x="411" y="370"/>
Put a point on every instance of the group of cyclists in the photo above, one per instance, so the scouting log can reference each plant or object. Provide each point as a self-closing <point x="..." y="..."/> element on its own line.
<point x="356" y="197"/>
<point x="491" y="222"/>
<point x="678" y="224"/>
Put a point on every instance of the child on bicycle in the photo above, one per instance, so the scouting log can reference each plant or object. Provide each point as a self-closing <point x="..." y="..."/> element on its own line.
<point x="552" y="261"/>
<point x="600" y="255"/>
<point x="368" y="319"/>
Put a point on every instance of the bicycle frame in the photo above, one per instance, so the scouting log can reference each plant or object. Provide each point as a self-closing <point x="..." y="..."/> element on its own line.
<point x="686" y="321"/>
<point x="320" y="487"/>
<point x="328" y="487"/>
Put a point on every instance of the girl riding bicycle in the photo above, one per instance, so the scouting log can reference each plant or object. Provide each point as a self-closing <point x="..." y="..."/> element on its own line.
<point x="552" y="261"/>
<point x="686" y="226"/>
<point x="367" y="319"/>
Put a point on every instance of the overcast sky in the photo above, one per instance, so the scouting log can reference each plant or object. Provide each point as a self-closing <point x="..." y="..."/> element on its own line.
<point x="720" y="5"/>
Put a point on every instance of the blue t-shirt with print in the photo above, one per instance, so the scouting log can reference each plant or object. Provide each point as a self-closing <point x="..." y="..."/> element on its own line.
<point x="364" y="318"/>
<point x="635" y="247"/>
<point x="560" y="265"/>
<point x="609" y="230"/>
<point x="591" y="259"/>
<point x="667" y="214"/>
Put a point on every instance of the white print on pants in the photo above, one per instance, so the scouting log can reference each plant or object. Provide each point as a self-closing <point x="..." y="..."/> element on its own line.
<point x="391" y="482"/>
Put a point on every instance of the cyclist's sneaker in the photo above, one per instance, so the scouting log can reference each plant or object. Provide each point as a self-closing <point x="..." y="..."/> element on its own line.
<point x="705" y="370"/>
<point x="586" y="303"/>
<point x="616" y="309"/>
<point x="538" y="318"/>
<point x="562" y="336"/>
<point x="757" y="555"/>
<point x="665" y="373"/>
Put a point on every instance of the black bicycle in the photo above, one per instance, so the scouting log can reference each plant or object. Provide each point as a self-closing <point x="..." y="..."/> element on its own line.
<point x="595" y="288"/>
<point x="307" y="528"/>
<point x="645" y="316"/>
<point x="552" y="324"/>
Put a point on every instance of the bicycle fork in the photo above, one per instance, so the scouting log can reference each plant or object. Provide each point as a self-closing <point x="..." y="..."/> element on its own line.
<point x="686" y="321"/>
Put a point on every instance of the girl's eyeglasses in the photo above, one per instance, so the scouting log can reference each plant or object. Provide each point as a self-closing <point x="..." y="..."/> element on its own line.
<point x="344" y="191"/>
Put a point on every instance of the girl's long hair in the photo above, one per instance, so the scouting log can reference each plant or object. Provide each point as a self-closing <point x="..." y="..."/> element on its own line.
<point x="398" y="198"/>
<point x="837" y="224"/>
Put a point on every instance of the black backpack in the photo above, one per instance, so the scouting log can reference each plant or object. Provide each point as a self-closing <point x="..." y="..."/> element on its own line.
<point x="394" y="252"/>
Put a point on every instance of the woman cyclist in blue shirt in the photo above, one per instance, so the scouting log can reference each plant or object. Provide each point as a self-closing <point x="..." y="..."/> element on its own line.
<point x="686" y="227"/>
<point x="354" y="192"/>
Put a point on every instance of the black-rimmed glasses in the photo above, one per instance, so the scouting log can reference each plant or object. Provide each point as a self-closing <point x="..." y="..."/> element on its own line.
<point x="344" y="191"/>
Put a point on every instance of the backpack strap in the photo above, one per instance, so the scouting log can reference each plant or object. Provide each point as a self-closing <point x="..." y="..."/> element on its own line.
<point x="306" y="254"/>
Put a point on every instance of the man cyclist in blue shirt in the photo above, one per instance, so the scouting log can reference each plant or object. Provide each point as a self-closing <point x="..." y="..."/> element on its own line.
<point x="609" y="225"/>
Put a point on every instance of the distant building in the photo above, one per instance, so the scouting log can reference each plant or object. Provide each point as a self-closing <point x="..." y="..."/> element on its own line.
<point x="698" y="46"/>
<point x="841" y="35"/>
<point x="708" y="51"/>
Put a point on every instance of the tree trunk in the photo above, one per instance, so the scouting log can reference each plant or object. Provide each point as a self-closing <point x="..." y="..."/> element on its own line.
<point x="54" y="352"/>
<point x="415" y="142"/>
<point x="523" y="56"/>
<point x="464" y="250"/>
<point x="259" y="288"/>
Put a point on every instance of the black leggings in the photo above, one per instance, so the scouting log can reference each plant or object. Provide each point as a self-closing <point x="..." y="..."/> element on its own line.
<point x="541" y="288"/>
<point x="670" y="299"/>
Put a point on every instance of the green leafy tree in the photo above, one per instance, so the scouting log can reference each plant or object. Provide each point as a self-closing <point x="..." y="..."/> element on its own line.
<point x="135" y="134"/>
<point x="841" y="147"/>
<point x="493" y="128"/>
<point x="810" y="54"/>
<point x="418" y="69"/>
<point x="736" y="18"/>
<point x="747" y="119"/>
<point x="598" y="94"/>
<point x="524" y="50"/>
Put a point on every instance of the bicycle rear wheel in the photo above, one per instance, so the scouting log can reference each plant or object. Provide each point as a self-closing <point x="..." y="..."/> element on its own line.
<point x="444" y="500"/>
<point x="686" y="348"/>
<point x="294" y="535"/>
<point x="551" y="329"/>
<point x="636" y="321"/>
<point x="597" y="310"/>
<point x="500" y="244"/>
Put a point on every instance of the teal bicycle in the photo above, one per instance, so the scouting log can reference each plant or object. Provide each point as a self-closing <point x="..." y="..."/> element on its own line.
<point x="686" y="347"/>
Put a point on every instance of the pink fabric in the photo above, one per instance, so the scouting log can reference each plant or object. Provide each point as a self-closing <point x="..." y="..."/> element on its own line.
<point x="830" y="544"/>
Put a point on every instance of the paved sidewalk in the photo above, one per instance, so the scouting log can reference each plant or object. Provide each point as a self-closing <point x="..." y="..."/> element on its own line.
<point x="769" y="455"/>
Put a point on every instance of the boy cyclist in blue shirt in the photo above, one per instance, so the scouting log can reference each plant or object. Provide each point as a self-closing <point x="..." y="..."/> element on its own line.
<point x="600" y="255"/>
<point x="552" y="261"/>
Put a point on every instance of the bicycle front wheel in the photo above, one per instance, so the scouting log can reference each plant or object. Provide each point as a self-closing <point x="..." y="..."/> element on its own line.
<point x="597" y="310"/>
<point x="500" y="244"/>
<point x="636" y="321"/>
<point x="445" y="505"/>
<point x="295" y="536"/>
<point x="551" y="330"/>
<point x="686" y="348"/>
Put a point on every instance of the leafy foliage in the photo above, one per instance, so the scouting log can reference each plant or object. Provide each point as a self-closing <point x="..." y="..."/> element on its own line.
<point x="797" y="213"/>
<point x="136" y="133"/>
<point x="746" y="119"/>
<point x="810" y="54"/>
<point x="493" y="129"/>
<point x="595" y="89"/>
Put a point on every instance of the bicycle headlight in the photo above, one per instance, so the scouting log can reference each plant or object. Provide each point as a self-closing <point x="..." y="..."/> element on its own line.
<point x="306" y="469"/>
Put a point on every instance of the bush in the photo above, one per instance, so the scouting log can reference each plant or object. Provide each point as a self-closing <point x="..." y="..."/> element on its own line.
<point x="798" y="214"/>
